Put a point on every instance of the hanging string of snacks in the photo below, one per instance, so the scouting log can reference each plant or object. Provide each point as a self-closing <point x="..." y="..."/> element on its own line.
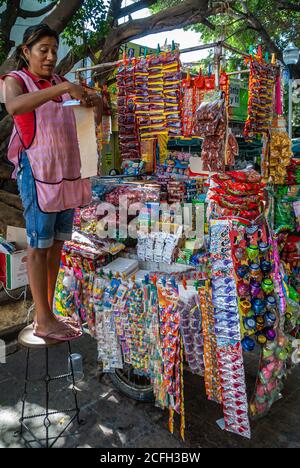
<point x="171" y="347"/>
<point x="199" y="87"/>
<point x="211" y="373"/>
<point x="172" y="92"/>
<point x="227" y="330"/>
<point x="260" y="103"/>
<point x="211" y="124"/>
<point x="127" y="118"/>
<point x="188" y="105"/>
<point x="280" y="153"/>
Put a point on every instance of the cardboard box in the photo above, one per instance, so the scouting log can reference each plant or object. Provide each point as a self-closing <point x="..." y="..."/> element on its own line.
<point x="13" y="267"/>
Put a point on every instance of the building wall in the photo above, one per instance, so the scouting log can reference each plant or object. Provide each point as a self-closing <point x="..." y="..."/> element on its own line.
<point x="22" y="24"/>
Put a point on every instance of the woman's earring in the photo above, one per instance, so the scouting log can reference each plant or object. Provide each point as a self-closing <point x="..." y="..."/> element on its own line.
<point x="25" y="60"/>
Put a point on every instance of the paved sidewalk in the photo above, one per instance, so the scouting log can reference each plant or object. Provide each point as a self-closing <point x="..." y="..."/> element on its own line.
<point x="113" y="420"/>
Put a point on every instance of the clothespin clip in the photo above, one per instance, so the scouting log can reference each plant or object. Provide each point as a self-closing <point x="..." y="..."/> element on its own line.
<point x="117" y="275"/>
<point x="145" y="52"/>
<point x="173" y="46"/>
<point x="173" y="282"/>
<point x="251" y="50"/>
<point x="259" y="51"/>
<point x="124" y="276"/>
<point x="267" y="56"/>
<point x="197" y="284"/>
<point x="147" y="278"/>
<point x="154" y="279"/>
<point x="164" y="281"/>
<point x="133" y="277"/>
<point x="158" y="51"/>
<point x="188" y="75"/>
<point x="184" y="283"/>
<point x="209" y="70"/>
<point x="110" y="275"/>
<point x="273" y="59"/>
<point x="101" y="273"/>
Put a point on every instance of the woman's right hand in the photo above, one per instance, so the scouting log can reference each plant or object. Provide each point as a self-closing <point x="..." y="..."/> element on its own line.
<point x="76" y="91"/>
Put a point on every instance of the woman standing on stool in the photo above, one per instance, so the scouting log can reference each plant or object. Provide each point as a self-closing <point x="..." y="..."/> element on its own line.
<point x="45" y="154"/>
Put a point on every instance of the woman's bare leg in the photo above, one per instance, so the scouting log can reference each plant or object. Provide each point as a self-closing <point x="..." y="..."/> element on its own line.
<point x="38" y="280"/>
<point x="53" y="261"/>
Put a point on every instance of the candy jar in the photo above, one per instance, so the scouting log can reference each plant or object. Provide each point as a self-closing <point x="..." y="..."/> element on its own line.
<point x="270" y="334"/>
<point x="265" y="266"/>
<point x="249" y="323"/>
<point x="263" y="247"/>
<point x="245" y="306"/>
<point x="270" y="318"/>
<point x="258" y="306"/>
<point x="255" y="272"/>
<point x="242" y="271"/>
<point x="271" y="303"/>
<point x="243" y="289"/>
<point x="248" y="344"/>
<point x="252" y="252"/>
<point x="255" y="289"/>
<point x="240" y="253"/>
<point x="267" y="285"/>
<point x="260" y="338"/>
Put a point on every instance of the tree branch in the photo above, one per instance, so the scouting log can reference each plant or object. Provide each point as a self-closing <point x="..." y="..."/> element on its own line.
<point x="36" y="14"/>
<point x="135" y="7"/>
<point x="187" y="13"/>
<point x="284" y="5"/>
<point x="255" y="24"/>
<point x="7" y="20"/>
<point x="61" y="14"/>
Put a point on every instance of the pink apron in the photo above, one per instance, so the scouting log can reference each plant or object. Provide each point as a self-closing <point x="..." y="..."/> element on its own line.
<point x="53" y="154"/>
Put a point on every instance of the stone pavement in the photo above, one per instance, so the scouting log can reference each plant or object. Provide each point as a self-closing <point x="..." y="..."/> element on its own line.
<point x="113" y="420"/>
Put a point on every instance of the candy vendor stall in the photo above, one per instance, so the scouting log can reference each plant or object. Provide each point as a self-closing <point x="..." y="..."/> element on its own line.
<point x="196" y="264"/>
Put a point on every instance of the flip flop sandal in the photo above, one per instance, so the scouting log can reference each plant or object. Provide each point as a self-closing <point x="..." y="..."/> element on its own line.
<point x="57" y="336"/>
<point x="71" y="323"/>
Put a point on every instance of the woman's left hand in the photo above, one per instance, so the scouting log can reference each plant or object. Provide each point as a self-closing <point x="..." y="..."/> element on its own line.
<point x="92" y="100"/>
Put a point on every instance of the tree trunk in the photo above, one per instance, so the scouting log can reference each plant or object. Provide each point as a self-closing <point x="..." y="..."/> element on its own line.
<point x="6" y="126"/>
<point x="10" y="216"/>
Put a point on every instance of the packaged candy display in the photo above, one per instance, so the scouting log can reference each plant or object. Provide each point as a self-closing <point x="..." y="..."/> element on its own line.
<point x="260" y="104"/>
<point x="171" y="348"/>
<point x="232" y="149"/>
<point x="280" y="156"/>
<point x="211" y="370"/>
<point x="272" y="372"/>
<point x="127" y="117"/>
<point x="191" y="326"/>
<point x="227" y="330"/>
<point x="188" y="106"/>
<point x="172" y="92"/>
<point x="293" y="172"/>
<point x="190" y="262"/>
<point x="148" y="101"/>
<point x="211" y="124"/>
<point x="176" y="163"/>
<point x="130" y="167"/>
<point x="236" y="194"/>
<point x="284" y="215"/>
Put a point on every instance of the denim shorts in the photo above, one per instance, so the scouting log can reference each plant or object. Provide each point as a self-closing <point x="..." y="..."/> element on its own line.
<point x="41" y="228"/>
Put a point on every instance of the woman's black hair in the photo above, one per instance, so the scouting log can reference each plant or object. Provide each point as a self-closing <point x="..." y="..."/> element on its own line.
<point x="32" y="35"/>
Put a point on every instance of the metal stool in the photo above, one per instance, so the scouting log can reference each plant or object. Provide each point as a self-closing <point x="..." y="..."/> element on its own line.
<point x="29" y="341"/>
